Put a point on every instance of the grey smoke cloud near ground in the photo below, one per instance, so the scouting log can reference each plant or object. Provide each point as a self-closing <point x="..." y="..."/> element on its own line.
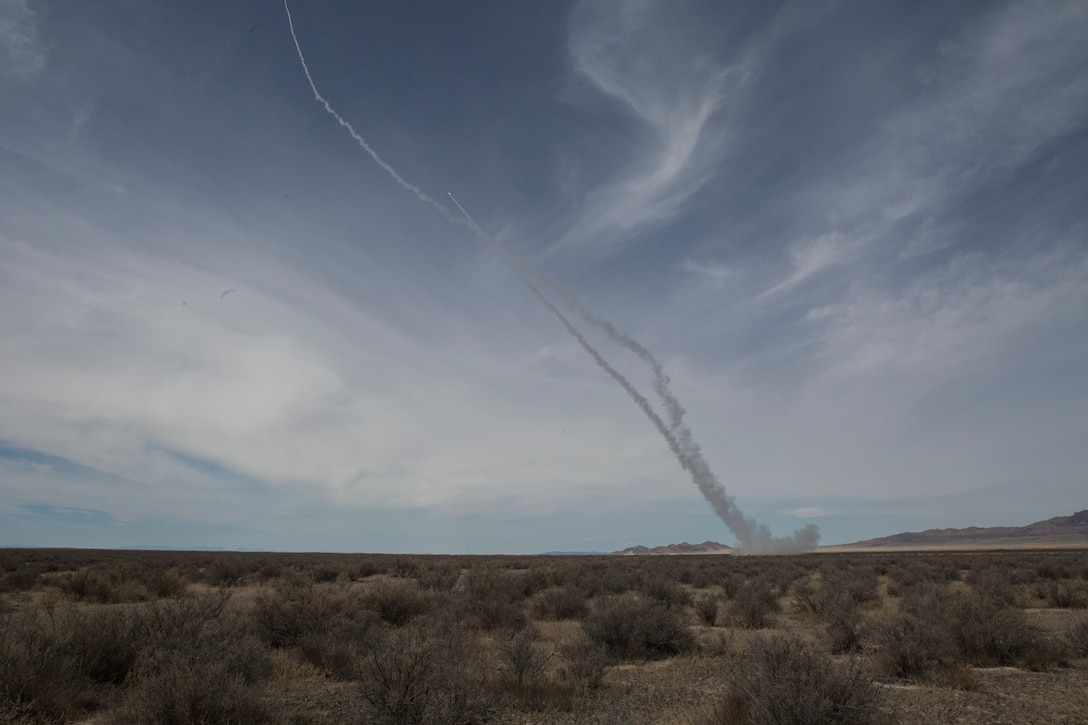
<point x="752" y="537"/>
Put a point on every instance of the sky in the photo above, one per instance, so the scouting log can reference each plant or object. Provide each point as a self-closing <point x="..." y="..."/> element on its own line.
<point x="855" y="236"/>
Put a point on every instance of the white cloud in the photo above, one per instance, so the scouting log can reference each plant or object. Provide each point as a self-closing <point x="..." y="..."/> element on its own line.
<point x="711" y="273"/>
<point x="952" y="319"/>
<point x="995" y="95"/>
<point x="641" y="55"/>
<point x="132" y="366"/>
<point x="22" y="52"/>
<point x="810" y="256"/>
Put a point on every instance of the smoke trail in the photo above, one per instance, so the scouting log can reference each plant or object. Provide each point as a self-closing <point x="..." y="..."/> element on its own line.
<point x="450" y="217"/>
<point x="751" y="536"/>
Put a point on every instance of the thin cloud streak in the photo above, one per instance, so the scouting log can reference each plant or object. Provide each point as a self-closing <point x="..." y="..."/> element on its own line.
<point x="953" y="319"/>
<point x="23" y="55"/>
<point x="621" y="50"/>
<point x="359" y="139"/>
<point x="999" y="92"/>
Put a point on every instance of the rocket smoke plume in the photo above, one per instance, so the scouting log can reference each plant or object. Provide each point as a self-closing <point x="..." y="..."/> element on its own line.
<point x="359" y="139"/>
<point x="751" y="536"/>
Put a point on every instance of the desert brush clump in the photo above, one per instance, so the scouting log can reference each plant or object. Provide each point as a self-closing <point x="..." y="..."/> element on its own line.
<point x="397" y="601"/>
<point x="707" y="606"/>
<point x="494" y="599"/>
<point x="633" y="626"/>
<point x="421" y="675"/>
<point x="1077" y="637"/>
<point x="937" y="627"/>
<point x="523" y="658"/>
<point x="134" y="637"/>
<point x="560" y="602"/>
<point x="755" y="605"/>
<point x="783" y="679"/>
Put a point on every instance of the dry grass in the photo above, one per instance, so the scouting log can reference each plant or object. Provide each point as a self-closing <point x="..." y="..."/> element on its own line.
<point x="102" y="636"/>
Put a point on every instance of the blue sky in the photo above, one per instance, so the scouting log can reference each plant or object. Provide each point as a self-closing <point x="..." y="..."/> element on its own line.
<point x="854" y="236"/>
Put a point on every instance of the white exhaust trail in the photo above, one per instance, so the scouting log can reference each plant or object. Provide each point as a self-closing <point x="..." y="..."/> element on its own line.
<point x="359" y="139"/>
<point x="751" y="536"/>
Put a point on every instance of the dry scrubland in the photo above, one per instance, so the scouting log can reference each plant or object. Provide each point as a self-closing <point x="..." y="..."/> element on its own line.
<point x="180" y="637"/>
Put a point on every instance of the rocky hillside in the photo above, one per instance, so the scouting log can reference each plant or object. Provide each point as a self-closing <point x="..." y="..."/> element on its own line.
<point x="707" y="547"/>
<point x="1060" y="531"/>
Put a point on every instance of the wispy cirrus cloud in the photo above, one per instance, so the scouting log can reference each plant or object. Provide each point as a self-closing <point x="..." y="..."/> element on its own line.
<point x="987" y="101"/>
<point x="994" y="95"/>
<point x="641" y="56"/>
<point x="972" y="313"/>
<point x="22" y="51"/>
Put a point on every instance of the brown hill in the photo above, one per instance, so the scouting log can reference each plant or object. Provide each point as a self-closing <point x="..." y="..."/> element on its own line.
<point x="707" y="547"/>
<point x="1058" y="532"/>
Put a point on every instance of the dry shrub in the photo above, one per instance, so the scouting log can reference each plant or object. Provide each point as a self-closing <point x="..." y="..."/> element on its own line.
<point x="993" y="583"/>
<point x="907" y="647"/>
<point x="523" y="658"/>
<point x="1043" y="652"/>
<point x="325" y="622"/>
<point x="298" y="609"/>
<point x="210" y="680"/>
<point x="957" y="675"/>
<point x="20" y="579"/>
<point x="39" y="677"/>
<point x="162" y="583"/>
<point x="182" y="619"/>
<point x="396" y="601"/>
<point x="910" y="573"/>
<point x="807" y="597"/>
<point x="859" y="584"/>
<point x="754" y="605"/>
<point x="103" y="644"/>
<point x="988" y="633"/>
<point x="493" y="600"/>
<point x="843" y="623"/>
<point x="327" y="572"/>
<point x="199" y="664"/>
<point x="418" y="675"/>
<point x="58" y="663"/>
<point x="785" y="680"/>
<point x="587" y="662"/>
<point x="1065" y="594"/>
<point x="606" y="579"/>
<point x="937" y="627"/>
<point x="667" y="592"/>
<point x="732" y="583"/>
<point x="87" y="585"/>
<point x="1077" y="637"/>
<point x="566" y="602"/>
<point x="707" y="606"/>
<point x="225" y="570"/>
<point x="404" y="567"/>
<point x="439" y="579"/>
<point x="837" y="608"/>
<point x="633" y="626"/>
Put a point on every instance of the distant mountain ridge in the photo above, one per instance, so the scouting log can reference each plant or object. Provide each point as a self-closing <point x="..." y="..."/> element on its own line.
<point x="707" y="547"/>
<point x="1060" y="531"/>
